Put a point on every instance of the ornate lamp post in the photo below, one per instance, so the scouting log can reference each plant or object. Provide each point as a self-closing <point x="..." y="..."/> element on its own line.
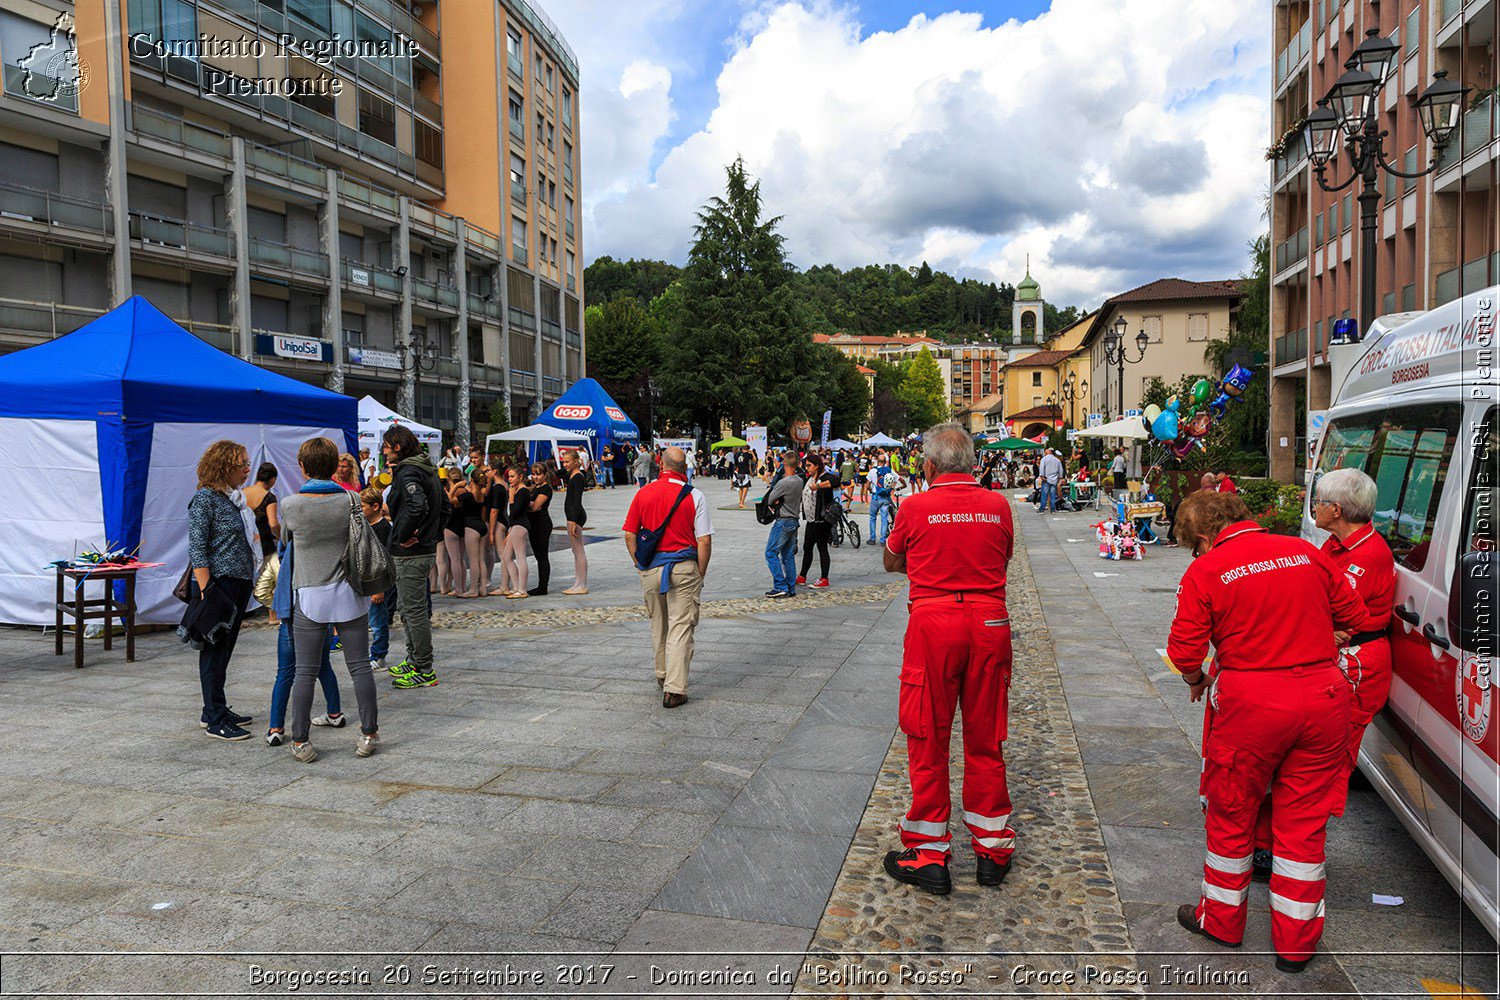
<point x="1071" y="390"/>
<point x="1116" y="353"/>
<point x="417" y="355"/>
<point x="650" y="395"/>
<point x="1351" y="107"/>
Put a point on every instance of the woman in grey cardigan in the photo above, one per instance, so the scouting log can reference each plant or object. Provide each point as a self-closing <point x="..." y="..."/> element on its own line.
<point x="315" y="523"/>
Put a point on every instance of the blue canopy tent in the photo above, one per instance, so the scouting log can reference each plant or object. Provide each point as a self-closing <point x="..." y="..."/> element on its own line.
<point x="101" y="431"/>
<point x="588" y="410"/>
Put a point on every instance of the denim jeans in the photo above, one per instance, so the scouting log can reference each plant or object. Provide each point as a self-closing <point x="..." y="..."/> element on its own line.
<point x="607" y="476"/>
<point x="781" y="554"/>
<point x="880" y="508"/>
<point x="1048" y="496"/>
<point x="286" y="670"/>
<point x="380" y="626"/>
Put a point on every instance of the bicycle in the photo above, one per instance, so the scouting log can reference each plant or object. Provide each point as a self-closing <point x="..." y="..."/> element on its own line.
<point x="843" y="527"/>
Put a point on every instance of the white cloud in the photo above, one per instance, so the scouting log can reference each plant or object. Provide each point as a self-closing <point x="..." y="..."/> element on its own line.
<point x="1115" y="140"/>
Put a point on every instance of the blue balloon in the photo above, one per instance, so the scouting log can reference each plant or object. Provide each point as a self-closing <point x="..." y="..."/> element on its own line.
<point x="1165" y="427"/>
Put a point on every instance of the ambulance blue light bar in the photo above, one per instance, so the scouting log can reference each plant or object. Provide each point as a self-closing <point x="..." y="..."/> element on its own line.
<point x="1345" y="331"/>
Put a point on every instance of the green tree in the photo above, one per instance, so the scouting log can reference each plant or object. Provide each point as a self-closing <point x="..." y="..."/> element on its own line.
<point x="625" y="348"/>
<point x="923" y="391"/>
<point x="888" y="413"/>
<point x="740" y="345"/>
<point x="607" y="279"/>
<point x="850" y="401"/>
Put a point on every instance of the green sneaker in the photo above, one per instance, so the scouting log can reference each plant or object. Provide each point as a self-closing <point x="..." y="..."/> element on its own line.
<point x="397" y="669"/>
<point x="415" y="679"/>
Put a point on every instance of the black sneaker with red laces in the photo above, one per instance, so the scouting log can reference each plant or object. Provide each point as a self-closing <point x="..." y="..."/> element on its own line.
<point x="907" y="866"/>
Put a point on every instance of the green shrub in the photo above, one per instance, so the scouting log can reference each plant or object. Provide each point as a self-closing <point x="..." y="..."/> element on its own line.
<point x="1259" y="494"/>
<point x="1286" y="517"/>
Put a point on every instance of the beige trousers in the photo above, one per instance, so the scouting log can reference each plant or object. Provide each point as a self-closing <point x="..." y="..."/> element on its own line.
<point x="673" y="616"/>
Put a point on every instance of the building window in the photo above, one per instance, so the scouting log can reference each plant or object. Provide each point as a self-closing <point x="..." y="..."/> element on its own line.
<point x="1152" y="326"/>
<point x="21" y="38"/>
<point x="429" y="144"/>
<point x="570" y="260"/>
<point x="377" y="117"/>
<point x="518" y="232"/>
<point x="513" y="51"/>
<point x="1036" y="380"/>
<point x="567" y="107"/>
<point x="517" y="179"/>
<point x="1197" y="326"/>
<point x="317" y="13"/>
<point x="552" y="194"/>
<point x="517" y="116"/>
<point x="1348" y="212"/>
<point x="549" y="77"/>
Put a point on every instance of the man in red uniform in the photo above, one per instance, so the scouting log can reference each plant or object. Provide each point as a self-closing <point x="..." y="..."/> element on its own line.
<point x="1269" y="604"/>
<point x="953" y="541"/>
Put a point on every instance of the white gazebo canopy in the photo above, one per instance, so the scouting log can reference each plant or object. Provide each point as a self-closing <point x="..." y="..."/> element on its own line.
<point x="541" y="433"/>
<point x="881" y="440"/>
<point x="1126" y="427"/>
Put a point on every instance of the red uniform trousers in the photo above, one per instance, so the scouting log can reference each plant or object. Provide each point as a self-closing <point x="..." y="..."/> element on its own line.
<point x="1288" y="729"/>
<point x="1367" y="668"/>
<point x="957" y="653"/>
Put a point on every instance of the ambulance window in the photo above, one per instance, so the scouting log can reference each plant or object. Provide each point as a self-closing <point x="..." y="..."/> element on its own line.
<point x="1406" y="451"/>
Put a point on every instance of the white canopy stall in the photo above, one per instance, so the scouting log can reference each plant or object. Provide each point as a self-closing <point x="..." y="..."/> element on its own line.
<point x="375" y="418"/>
<point x="542" y="433"/>
<point x="1125" y="427"/>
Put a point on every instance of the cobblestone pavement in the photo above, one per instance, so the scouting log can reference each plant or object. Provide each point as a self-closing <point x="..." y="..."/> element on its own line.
<point x="1059" y="898"/>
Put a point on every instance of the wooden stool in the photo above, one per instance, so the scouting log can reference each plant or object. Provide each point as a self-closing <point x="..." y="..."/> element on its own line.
<point x="105" y="608"/>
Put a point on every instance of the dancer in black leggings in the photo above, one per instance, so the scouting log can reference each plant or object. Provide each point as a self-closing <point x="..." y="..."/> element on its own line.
<point x="539" y="526"/>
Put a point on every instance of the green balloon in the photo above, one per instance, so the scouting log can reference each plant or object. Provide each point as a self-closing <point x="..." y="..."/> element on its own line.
<point x="1202" y="390"/>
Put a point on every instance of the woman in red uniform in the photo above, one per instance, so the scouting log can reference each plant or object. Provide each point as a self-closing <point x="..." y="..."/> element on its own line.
<point x="1269" y="604"/>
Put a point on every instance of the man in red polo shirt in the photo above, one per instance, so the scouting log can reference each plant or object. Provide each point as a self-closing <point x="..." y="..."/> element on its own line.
<point x="1269" y="605"/>
<point x="672" y="577"/>
<point x="953" y="542"/>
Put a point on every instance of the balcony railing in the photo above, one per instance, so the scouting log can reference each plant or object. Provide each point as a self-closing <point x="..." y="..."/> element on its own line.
<point x="572" y="284"/>
<point x="358" y="274"/>
<point x="46" y="319"/>
<point x="568" y="174"/>
<point x="378" y="200"/>
<point x="44" y="89"/>
<point x="31" y="205"/>
<point x="518" y="254"/>
<point x="523" y="380"/>
<point x="523" y="319"/>
<point x="518" y="192"/>
<point x="1447" y="10"/>
<point x="1299" y="46"/>
<point x="518" y="129"/>
<point x="160" y="231"/>
<point x="481" y="307"/>
<point x="448" y="368"/>
<point x="568" y="228"/>
<point x="484" y="241"/>
<point x="1481" y="272"/>
<point x="1291" y="251"/>
<point x="552" y="385"/>
<point x="432" y="292"/>
<point x="575" y="339"/>
<point x="1293" y="159"/>
<point x="551" y="329"/>
<point x="1480" y="126"/>
<point x="284" y="165"/>
<point x="293" y="259"/>
<point x="487" y="374"/>
<point x="220" y="335"/>
<point x="186" y="136"/>
<point x="431" y="218"/>
<point x="1291" y="347"/>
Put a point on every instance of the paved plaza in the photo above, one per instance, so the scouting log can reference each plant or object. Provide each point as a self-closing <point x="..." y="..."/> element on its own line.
<point x="537" y="824"/>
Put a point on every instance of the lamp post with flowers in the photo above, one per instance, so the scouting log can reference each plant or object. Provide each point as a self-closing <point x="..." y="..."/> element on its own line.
<point x="1349" y="111"/>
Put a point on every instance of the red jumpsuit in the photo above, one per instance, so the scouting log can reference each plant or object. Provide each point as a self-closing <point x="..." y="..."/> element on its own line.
<point x="957" y="539"/>
<point x="1365" y="659"/>
<point x="1269" y="604"/>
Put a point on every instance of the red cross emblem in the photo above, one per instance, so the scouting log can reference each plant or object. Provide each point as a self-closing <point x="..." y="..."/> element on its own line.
<point x="1473" y="691"/>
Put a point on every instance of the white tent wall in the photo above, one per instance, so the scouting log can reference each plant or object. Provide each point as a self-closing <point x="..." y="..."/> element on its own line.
<point x="54" y="509"/>
<point x="175" y="450"/>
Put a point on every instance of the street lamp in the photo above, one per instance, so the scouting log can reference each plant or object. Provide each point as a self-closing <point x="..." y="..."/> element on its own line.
<point x="1071" y="390"/>
<point x="1351" y="107"/>
<point x="650" y="395"/>
<point x="417" y="355"/>
<point x="1116" y="353"/>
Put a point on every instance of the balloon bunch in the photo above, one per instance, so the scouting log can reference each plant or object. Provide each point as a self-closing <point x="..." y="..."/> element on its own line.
<point x="1183" y="430"/>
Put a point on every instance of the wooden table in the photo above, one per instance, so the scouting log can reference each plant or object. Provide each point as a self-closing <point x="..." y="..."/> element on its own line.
<point x="105" y="608"/>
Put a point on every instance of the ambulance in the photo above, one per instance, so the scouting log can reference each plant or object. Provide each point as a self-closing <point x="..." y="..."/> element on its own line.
<point x="1415" y="406"/>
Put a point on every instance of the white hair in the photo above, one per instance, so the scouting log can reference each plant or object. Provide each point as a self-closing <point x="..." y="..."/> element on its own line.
<point x="949" y="448"/>
<point x="1354" y="492"/>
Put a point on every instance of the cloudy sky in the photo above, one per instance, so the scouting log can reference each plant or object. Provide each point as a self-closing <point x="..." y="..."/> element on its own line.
<point x="1115" y="141"/>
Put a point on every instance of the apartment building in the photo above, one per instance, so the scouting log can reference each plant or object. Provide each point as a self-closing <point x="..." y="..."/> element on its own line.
<point x="278" y="177"/>
<point x="1438" y="236"/>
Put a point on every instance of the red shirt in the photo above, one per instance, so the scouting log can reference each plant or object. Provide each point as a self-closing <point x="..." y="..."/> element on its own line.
<point x="957" y="538"/>
<point x="1370" y="569"/>
<point x="1226" y="485"/>
<point x="649" y="506"/>
<point x="1265" y="601"/>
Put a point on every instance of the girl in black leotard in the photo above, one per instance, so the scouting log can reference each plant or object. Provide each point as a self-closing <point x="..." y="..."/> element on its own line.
<point x="539" y="526"/>
<point x="518" y="518"/>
